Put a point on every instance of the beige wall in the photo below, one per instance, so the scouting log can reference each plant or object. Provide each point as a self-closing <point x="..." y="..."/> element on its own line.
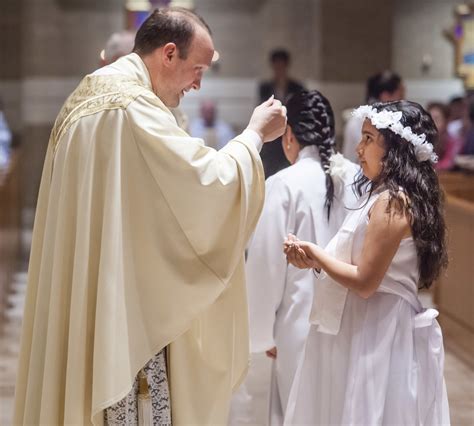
<point x="234" y="34"/>
<point x="417" y="31"/>
<point x="356" y="38"/>
<point x="10" y="60"/>
<point x="295" y="26"/>
<point x="329" y="40"/>
<point x="10" y="39"/>
<point x="246" y="31"/>
<point x="63" y="39"/>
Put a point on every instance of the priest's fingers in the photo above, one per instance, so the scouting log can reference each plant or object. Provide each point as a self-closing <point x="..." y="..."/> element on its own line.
<point x="269" y="101"/>
<point x="277" y="124"/>
<point x="268" y="120"/>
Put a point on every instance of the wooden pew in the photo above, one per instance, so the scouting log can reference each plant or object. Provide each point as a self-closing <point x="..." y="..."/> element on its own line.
<point x="9" y="224"/>
<point x="454" y="292"/>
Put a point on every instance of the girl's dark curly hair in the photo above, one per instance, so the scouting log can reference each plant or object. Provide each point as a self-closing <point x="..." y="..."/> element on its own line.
<point x="311" y="119"/>
<point x="424" y="204"/>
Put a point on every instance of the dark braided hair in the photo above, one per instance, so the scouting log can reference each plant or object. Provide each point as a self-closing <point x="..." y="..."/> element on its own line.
<point x="424" y="206"/>
<point x="311" y="119"/>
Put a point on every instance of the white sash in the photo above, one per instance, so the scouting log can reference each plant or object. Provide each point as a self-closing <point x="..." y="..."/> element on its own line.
<point x="329" y="296"/>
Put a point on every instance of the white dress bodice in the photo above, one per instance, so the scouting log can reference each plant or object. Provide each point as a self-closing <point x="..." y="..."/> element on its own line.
<point x="402" y="275"/>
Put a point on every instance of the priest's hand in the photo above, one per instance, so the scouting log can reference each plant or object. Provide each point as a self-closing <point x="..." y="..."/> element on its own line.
<point x="271" y="353"/>
<point x="269" y="120"/>
<point x="301" y="254"/>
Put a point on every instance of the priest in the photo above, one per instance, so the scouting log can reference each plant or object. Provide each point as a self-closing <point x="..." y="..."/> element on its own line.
<point x="136" y="309"/>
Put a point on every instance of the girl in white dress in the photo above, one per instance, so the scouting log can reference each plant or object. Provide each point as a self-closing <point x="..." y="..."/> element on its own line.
<point x="373" y="355"/>
<point x="308" y="198"/>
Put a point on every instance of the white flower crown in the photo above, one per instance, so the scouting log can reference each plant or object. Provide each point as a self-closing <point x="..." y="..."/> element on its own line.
<point x="391" y="120"/>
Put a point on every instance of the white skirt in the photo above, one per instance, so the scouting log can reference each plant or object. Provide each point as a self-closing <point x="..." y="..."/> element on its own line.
<point x="385" y="367"/>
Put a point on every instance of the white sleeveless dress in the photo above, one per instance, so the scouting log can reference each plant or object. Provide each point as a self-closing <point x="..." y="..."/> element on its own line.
<point x="375" y="361"/>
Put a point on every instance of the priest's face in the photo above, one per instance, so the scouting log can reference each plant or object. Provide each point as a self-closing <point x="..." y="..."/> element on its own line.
<point x="186" y="74"/>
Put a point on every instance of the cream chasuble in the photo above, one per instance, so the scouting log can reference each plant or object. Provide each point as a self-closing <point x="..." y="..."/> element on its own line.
<point x="138" y="244"/>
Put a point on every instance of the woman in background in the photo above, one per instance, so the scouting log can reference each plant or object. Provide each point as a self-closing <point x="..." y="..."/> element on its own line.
<point x="447" y="146"/>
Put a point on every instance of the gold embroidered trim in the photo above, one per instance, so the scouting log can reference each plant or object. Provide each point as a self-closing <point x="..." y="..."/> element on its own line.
<point x="95" y="94"/>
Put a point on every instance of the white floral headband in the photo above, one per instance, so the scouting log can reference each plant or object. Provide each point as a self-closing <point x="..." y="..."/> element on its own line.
<point x="391" y="120"/>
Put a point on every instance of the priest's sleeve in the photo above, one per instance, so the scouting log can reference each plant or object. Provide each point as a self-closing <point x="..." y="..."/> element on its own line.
<point x="216" y="196"/>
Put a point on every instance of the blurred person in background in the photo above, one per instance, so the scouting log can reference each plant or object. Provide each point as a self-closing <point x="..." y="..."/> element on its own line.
<point x="458" y="117"/>
<point x="5" y="138"/>
<point x="384" y="86"/>
<point x="215" y="131"/>
<point x="469" y="141"/>
<point x="282" y="87"/>
<point x="119" y="44"/>
<point x="447" y="146"/>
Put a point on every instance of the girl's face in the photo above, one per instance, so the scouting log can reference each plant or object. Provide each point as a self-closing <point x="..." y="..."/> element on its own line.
<point x="371" y="150"/>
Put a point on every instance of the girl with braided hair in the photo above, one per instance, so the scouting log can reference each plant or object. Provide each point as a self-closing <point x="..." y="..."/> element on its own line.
<point x="374" y="355"/>
<point x="308" y="198"/>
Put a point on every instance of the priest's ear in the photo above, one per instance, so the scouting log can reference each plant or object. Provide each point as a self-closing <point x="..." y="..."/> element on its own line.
<point x="169" y="53"/>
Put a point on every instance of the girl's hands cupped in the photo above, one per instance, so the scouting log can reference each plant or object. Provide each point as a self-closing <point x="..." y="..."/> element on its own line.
<point x="301" y="254"/>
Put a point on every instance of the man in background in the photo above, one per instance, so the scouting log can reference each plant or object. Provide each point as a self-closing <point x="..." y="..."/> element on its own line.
<point x="282" y="87"/>
<point x="385" y="86"/>
<point x="119" y="44"/>
<point x="215" y="131"/>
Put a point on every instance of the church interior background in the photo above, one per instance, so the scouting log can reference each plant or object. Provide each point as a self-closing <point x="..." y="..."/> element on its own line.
<point x="47" y="46"/>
